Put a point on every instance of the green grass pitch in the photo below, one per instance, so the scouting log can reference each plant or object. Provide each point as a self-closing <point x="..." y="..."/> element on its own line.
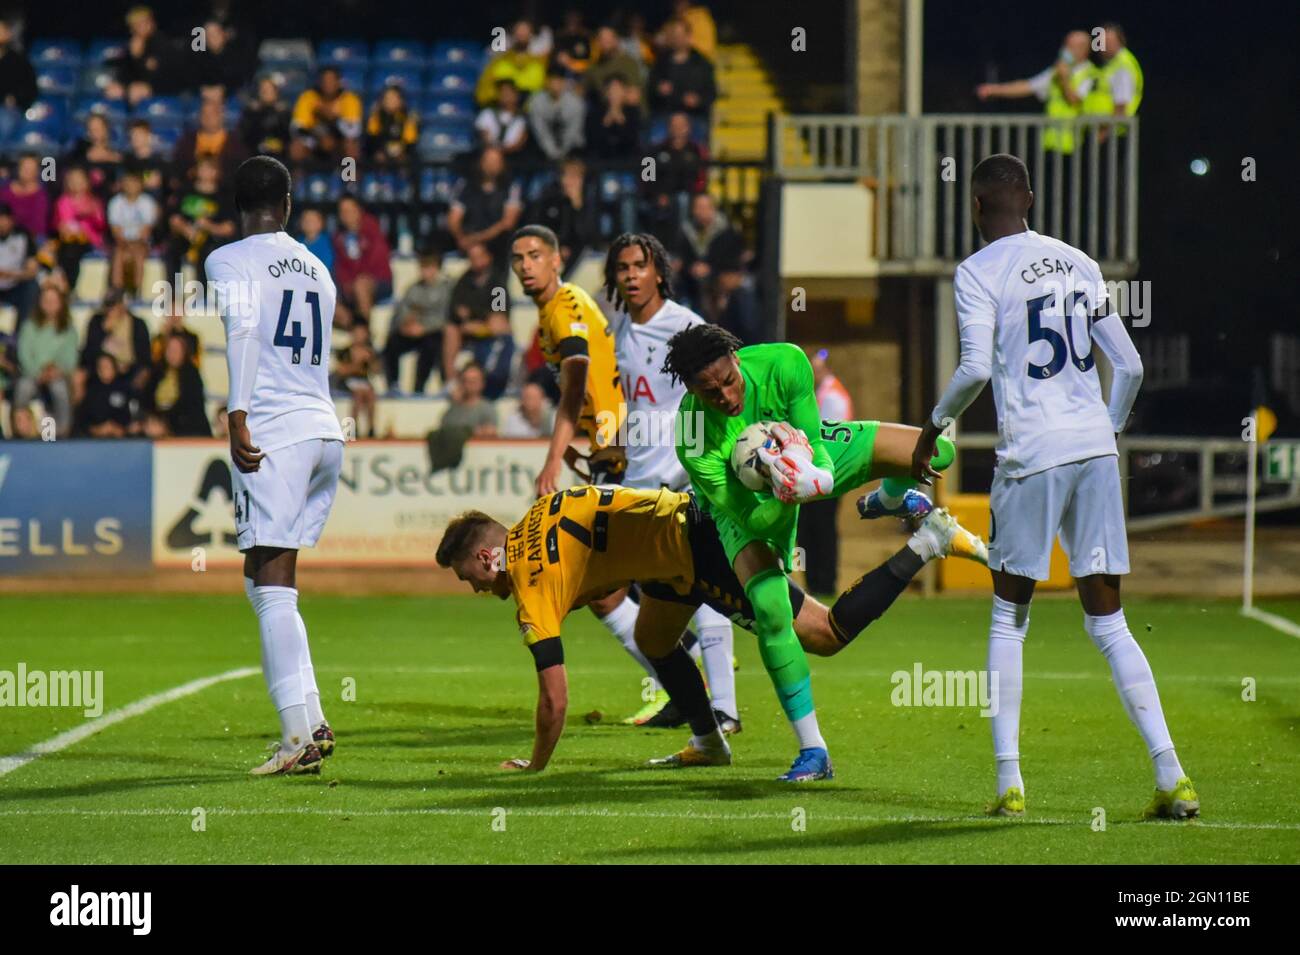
<point x="444" y="692"/>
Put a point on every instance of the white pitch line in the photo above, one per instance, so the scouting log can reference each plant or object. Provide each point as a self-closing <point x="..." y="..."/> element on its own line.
<point x="1289" y="627"/>
<point x="75" y="735"/>
<point x="615" y="814"/>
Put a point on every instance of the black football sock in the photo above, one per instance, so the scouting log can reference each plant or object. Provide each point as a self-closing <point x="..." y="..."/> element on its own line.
<point x="681" y="678"/>
<point x="871" y="595"/>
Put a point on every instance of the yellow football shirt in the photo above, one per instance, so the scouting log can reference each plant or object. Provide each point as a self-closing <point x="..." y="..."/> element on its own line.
<point x="572" y="324"/>
<point x="576" y="545"/>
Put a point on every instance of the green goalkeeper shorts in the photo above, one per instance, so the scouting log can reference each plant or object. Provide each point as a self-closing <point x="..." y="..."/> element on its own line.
<point x="850" y="445"/>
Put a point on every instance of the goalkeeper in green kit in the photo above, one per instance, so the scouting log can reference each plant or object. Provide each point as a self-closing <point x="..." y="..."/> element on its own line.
<point x="730" y="387"/>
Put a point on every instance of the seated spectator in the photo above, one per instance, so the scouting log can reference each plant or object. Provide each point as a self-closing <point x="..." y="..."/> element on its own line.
<point x="612" y="60"/>
<point x="475" y="325"/>
<point x="79" y="221"/>
<point x="27" y="199"/>
<point x="568" y="208"/>
<point x="393" y="128"/>
<point x="361" y="266"/>
<point x="730" y="301"/>
<point x="223" y="67"/>
<point x="571" y="51"/>
<point x="145" y="159"/>
<point x="470" y="412"/>
<point x="681" y="79"/>
<point x="17" y="266"/>
<point x="534" y="418"/>
<point x="703" y="30"/>
<point x="95" y="153"/>
<point x="202" y="218"/>
<point x="47" y="358"/>
<point x="17" y="82"/>
<point x="145" y="67"/>
<point x="132" y="215"/>
<point x="525" y="69"/>
<point x="211" y="140"/>
<point x="614" y="124"/>
<point x="502" y="124"/>
<point x="122" y="336"/>
<point x="326" y="121"/>
<point x="105" y="411"/>
<point x="264" y="126"/>
<point x="312" y="223"/>
<point x="557" y="116"/>
<point x="354" y="365"/>
<point x="680" y="167"/>
<point x="635" y="38"/>
<point x="709" y="245"/>
<point x="174" y="394"/>
<point x="418" y="326"/>
<point x="173" y="326"/>
<point x="485" y="207"/>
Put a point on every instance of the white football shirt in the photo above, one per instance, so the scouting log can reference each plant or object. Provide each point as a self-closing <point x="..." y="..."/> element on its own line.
<point x="277" y="302"/>
<point x="652" y="396"/>
<point x="1040" y="297"/>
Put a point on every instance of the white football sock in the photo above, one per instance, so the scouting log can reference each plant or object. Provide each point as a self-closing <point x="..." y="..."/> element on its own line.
<point x="282" y="654"/>
<point x="1007" y="631"/>
<point x="807" y="732"/>
<point x="1137" y="688"/>
<point x="621" y="622"/>
<point x="310" y="691"/>
<point x="716" y="648"/>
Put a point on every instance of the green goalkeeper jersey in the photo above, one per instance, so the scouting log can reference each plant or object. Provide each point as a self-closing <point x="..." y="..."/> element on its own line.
<point x="778" y="387"/>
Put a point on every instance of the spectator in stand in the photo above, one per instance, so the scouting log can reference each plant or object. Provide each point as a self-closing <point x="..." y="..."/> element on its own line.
<point x="503" y="124"/>
<point x="312" y="223"/>
<point x="354" y="365"/>
<point x="476" y="325"/>
<point x="557" y="115"/>
<point x="730" y="301"/>
<point x="264" y="127"/>
<point x="568" y="208"/>
<point x="105" y="411"/>
<point x="709" y="245"/>
<point x="145" y="66"/>
<point x="524" y="68"/>
<point x="26" y="196"/>
<point x="47" y="357"/>
<point x="326" y="121"/>
<point x="132" y="216"/>
<point x="124" y="337"/>
<point x="393" y="128"/>
<point x="485" y="207"/>
<point x="173" y="326"/>
<point x="612" y="60"/>
<point x="703" y="30"/>
<point x="144" y="158"/>
<point x="635" y="38"/>
<point x="223" y="68"/>
<point x="419" y="322"/>
<point x="202" y="218"/>
<point x="361" y="266"/>
<point x="534" y="418"/>
<point x="95" y="153"/>
<point x="680" y="165"/>
<point x="79" y="222"/>
<point x="571" y="52"/>
<point x="681" y="79"/>
<point x="17" y="266"/>
<point x="471" y="413"/>
<point x="174" y="395"/>
<point x="211" y="140"/>
<point x="614" y="124"/>
<point x="17" y="83"/>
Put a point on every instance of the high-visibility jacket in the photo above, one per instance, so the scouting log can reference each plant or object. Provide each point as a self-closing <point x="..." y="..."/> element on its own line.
<point x="1061" y="138"/>
<point x="1100" y="102"/>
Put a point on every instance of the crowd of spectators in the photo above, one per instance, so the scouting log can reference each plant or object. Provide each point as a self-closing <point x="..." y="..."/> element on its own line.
<point x="566" y="101"/>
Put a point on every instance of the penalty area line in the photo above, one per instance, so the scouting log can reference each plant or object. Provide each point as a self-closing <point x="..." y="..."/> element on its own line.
<point x="1289" y="627"/>
<point x="143" y="705"/>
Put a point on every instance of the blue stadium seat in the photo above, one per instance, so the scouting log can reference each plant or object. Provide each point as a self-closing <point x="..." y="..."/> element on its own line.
<point x="162" y="109"/>
<point x="104" y="48"/>
<point x="343" y="53"/>
<point x="449" y="107"/>
<point x="95" y="79"/>
<point x="440" y="142"/>
<point x="454" y="81"/>
<point x="114" y="110"/>
<point x="354" y="78"/>
<point x="55" y="52"/>
<point x="535" y="185"/>
<point x="292" y="80"/>
<point x="36" y="138"/>
<point x="319" y="187"/>
<point x="57" y="80"/>
<point x="408" y="78"/>
<point x="436" y="184"/>
<point x="458" y="54"/>
<point x="289" y="54"/>
<point x="403" y="53"/>
<point x="48" y="109"/>
<point x="166" y="138"/>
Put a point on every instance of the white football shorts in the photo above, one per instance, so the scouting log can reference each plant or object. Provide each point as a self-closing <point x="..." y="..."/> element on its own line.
<point x="286" y="502"/>
<point x="1081" y="501"/>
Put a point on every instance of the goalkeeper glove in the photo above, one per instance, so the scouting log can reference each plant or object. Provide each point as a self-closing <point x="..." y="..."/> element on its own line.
<point x="792" y="440"/>
<point x="795" y="480"/>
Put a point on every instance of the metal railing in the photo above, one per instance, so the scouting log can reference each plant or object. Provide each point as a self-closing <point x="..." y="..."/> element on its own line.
<point x="919" y="170"/>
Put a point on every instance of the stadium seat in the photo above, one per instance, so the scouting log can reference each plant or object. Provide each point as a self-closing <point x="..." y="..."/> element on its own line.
<point x="95" y="79"/>
<point x="291" y="79"/>
<point x="340" y="53"/>
<point x="114" y="110"/>
<point x="401" y="53"/>
<point x="458" y="54"/>
<point x="353" y="77"/>
<point x="57" y="80"/>
<point x="55" y="51"/>
<point x="408" y="78"/>
<point x="436" y="185"/>
<point x="454" y="81"/>
<point x="103" y="49"/>
<point x="162" y="109"/>
<point x="320" y="187"/>
<point x="166" y="137"/>
<point x="286" y="54"/>
<point x="440" y="142"/>
<point x="448" y="107"/>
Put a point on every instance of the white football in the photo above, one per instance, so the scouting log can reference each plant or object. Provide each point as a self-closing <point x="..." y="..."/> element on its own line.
<point x="744" y="455"/>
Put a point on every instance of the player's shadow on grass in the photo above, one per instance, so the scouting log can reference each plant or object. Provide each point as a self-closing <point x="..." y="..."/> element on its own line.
<point x="857" y="837"/>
